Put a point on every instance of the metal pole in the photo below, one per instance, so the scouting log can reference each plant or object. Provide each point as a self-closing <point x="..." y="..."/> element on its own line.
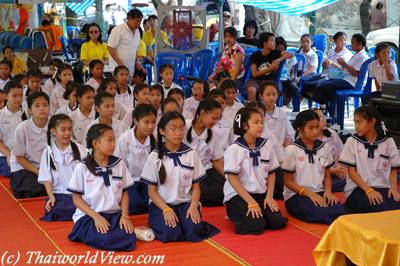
<point x="221" y="25"/>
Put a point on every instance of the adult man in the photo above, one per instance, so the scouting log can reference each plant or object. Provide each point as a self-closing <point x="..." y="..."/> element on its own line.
<point x="108" y="16"/>
<point x="124" y="41"/>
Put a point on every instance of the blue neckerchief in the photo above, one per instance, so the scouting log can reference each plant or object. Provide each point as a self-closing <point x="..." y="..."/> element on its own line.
<point x="310" y="153"/>
<point x="106" y="176"/>
<point x="371" y="147"/>
<point x="175" y="155"/>
<point x="255" y="155"/>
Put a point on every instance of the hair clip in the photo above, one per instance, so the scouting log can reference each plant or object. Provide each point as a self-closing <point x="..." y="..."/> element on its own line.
<point x="237" y="119"/>
<point x="384" y="129"/>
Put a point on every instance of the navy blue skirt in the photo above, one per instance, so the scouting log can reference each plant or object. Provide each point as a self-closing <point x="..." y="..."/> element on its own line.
<point x="359" y="203"/>
<point x="338" y="184"/>
<point x="185" y="230"/>
<point x="24" y="184"/>
<point x="212" y="189"/>
<point x="116" y="239"/>
<point x="4" y="167"/>
<point x="138" y="198"/>
<point x="303" y="208"/>
<point x="62" y="210"/>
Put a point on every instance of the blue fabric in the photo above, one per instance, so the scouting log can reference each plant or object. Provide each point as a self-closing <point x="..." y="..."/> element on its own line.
<point x="62" y="210"/>
<point x="338" y="184"/>
<point x="24" y="184"/>
<point x="4" y="167"/>
<point x="185" y="230"/>
<point x="116" y="239"/>
<point x="358" y="201"/>
<point x="304" y="209"/>
<point x="138" y="198"/>
<point x="326" y="92"/>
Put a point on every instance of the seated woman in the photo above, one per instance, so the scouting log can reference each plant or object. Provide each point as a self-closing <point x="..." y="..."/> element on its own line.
<point x="249" y="39"/>
<point x="326" y="92"/>
<point x="18" y="66"/>
<point x="232" y="57"/>
<point x="94" y="47"/>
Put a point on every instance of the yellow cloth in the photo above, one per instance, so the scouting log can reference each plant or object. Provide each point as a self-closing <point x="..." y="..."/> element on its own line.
<point x="149" y="40"/>
<point x="90" y="51"/>
<point x="141" y="51"/>
<point x="18" y="67"/>
<point x="366" y="239"/>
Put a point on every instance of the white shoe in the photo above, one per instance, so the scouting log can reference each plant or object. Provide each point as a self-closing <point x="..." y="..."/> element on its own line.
<point x="144" y="234"/>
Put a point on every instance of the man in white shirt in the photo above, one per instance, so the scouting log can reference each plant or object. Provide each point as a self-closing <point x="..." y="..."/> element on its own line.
<point x="119" y="15"/>
<point x="124" y="42"/>
<point x="108" y="16"/>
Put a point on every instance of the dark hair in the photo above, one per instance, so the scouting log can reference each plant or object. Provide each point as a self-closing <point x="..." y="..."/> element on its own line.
<point x="12" y="84"/>
<point x="338" y="35"/>
<point x="103" y="86"/>
<point x="242" y="117"/>
<point x="216" y="93"/>
<point x="281" y="41"/>
<point x="138" y="88"/>
<point x="368" y="113"/>
<point x="303" y="118"/>
<point x="8" y="63"/>
<point x="95" y="132"/>
<point x="231" y="31"/>
<point x="361" y="39"/>
<point x="99" y="38"/>
<point x="159" y="88"/>
<point x="380" y="47"/>
<point x="152" y="17"/>
<point x="307" y="35"/>
<point x="265" y="84"/>
<point x="146" y="20"/>
<point x="34" y="72"/>
<point x="325" y="132"/>
<point x="162" y="175"/>
<point x="134" y="13"/>
<point x="143" y="110"/>
<point x="228" y="84"/>
<point x="165" y="67"/>
<point x="166" y="101"/>
<point x="35" y="95"/>
<point x="205" y="86"/>
<point x="99" y="98"/>
<point x="250" y="23"/>
<point x="139" y="73"/>
<point x="61" y="69"/>
<point x="70" y="88"/>
<point x="58" y="63"/>
<point x="45" y="22"/>
<point x="379" y="6"/>
<point x="264" y="37"/>
<point x="7" y="47"/>
<point x="116" y="72"/>
<point x="222" y="75"/>
<point x="206" y="106"/>
<point x="176" y="91"/>
<point x="84" y="89"/>
<point x="19" y="77"/>
<point x="54" y="121"/>
<point x="257" y="104"/>
<point x="93" y="63"/>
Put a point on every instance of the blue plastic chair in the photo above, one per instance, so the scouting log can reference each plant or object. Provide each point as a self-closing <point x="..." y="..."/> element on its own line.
<point x="214" y="46"/>
<point x="251" y="50"/>
<point x="278" y="76"/>
<point x="398" y="69"/>
<point x="299" y="69"/>
<point x="246" y="77"/>
<point x="214" y="62"/>
<point x="180" y="63"/>
<point x="359" y="91"/>
<point x="149" y="69"/>
<point x="26" y="43"/>
<point x="74" y="30"/>
<point x="292" y="50"/>
<point x="66" y="53"/>
<point x="8" y="38"/>
<point x="39" y="41"/>
<point x="320" y="42"/>
<point x="15" y="42"/>
<point x="372" y="52"/>
<point x="200" y="64"/>
<point x="320" y="59"/>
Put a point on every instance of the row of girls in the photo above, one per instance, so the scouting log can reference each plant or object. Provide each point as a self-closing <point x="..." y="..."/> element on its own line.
<point x="166" y="155"/>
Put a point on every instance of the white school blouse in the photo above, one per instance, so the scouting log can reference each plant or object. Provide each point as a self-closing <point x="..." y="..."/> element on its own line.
<point x="65" y="165"/>
<point x="183" y="168"/>
<point x="49" y="86"/>
<point x="311" y="59"/>
<point x="80" y="123"/>
<point x="190" y="105"/>
<point x="8" y="123"/>
<point x="133" y="153"/>
<point x="117" y="126"/>
<point x="229" y="113"/>
<point x="166" y="89"/>
<point x="373" y="161"/>
<point x="102" y="192"/>
<point x="57" y="98"/>
<point x="29" y="141"/>
<point x="308" y="166"/>
<point x="208" y="152"/>
<point x="355" y="61"/>
<point x="93" y="83"/>
<point x="378" y="72"/>
<point x="278" y="123"/>
<point x="252" y="166"/>
<point x="334" y="143"/>
<point x="65" y="110"/>
<point x="125" y="99"/>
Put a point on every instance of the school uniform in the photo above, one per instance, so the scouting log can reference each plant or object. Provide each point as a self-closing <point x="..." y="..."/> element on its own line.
<point x="187" y="115"/>
<point x="126" y="99"/>
<point x="191" y="105"/>
<point x="57" y="98"/>
<point x="373" y="162"/>
<point x="49" y="86"/>
<point x="65" y="110"/>
<point x="308" y="168"/>
<point x="183" y="168"/>
<point x="252" y="167"/>
<point x="117" y="126"/>
<point x="93" y="83"/>
<point x="3" y="83"/>
<point x="119" y="111"/>
<point x="225" y="134"/>
<point x="378" y="72"/>
<point x="278" y="123"/>
<point x="25" y="94"/>
<point x="65" y="163"/>
<point x="166" y="89"/>
<point x="311" y="60"/>
<point x="224" y="127"/>
<point x="336" y="146"/>
<point x="128" y="119"/>
<point x="29" y="141"/>
<point x="80" y="124"/>
<point x="212" y="186"/>
<point x="134" y="154"/>
<point x="8" y="123"/>
<point x="103" y="194"/>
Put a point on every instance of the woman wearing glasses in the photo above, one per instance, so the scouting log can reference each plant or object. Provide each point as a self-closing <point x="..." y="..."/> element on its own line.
<point x="94" y="47"/>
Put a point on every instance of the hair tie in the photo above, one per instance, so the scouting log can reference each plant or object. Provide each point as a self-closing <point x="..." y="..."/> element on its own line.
<point x="50" y="157"/>
<point x="55" y="73"/>
<point x="237" y="119"/>
<point x="384" y="129"/>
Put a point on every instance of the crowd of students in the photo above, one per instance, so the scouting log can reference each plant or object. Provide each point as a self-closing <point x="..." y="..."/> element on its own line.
<point x="107" y="149"/>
